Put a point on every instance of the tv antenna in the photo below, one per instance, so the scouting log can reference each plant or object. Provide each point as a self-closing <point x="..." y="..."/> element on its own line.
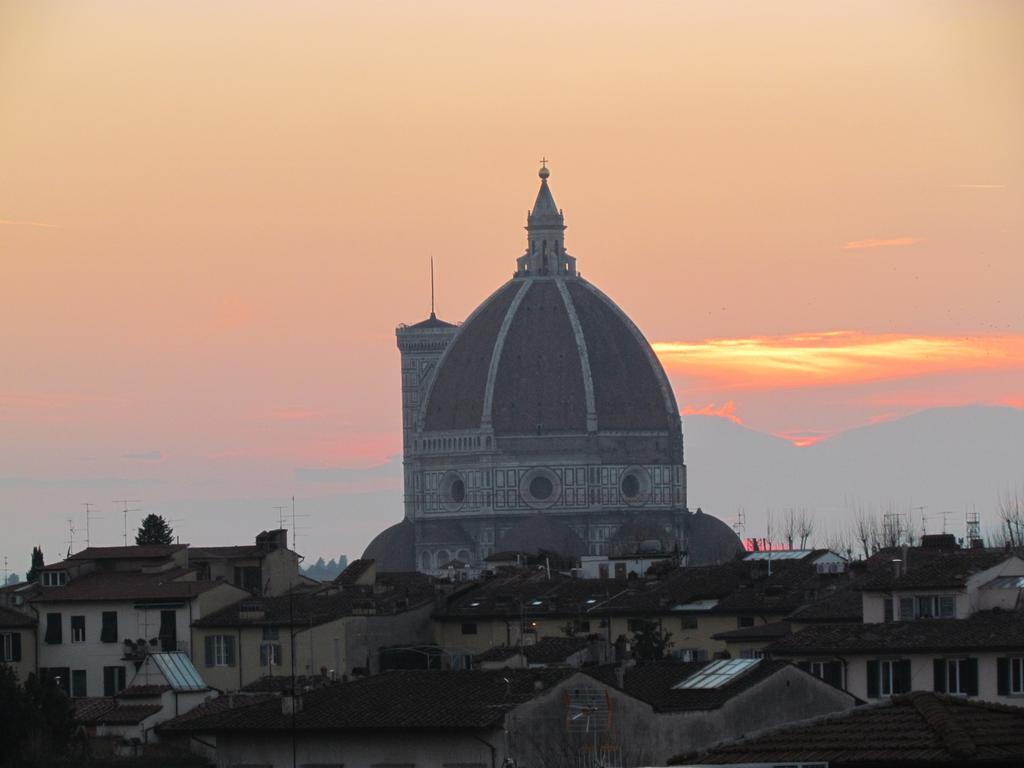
<point x="124" y="512"/>
<point x="89" y="517"/>
<point x="6" y="572"/>
<point x="740" y="526"/>
<point x="281" y="515"/>
<point x="973" y="522"/>
<point x="295" y="527"/>
<point x="71" y="535"/>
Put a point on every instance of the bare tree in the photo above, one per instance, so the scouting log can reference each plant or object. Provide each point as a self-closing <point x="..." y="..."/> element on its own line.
<point x="804" y="527"/>
<point x="865" y="528"/>
<point x="789" y="526"/>
<point x="1011" y="518"/>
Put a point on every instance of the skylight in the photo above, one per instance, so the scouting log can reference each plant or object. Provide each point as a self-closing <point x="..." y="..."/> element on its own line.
<point x="537" y="602"/>
<point x="717" y="673"/>
<point x="178" y="671"/>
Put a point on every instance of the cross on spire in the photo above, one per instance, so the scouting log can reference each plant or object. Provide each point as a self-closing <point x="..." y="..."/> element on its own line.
<point x="543" y="162"/>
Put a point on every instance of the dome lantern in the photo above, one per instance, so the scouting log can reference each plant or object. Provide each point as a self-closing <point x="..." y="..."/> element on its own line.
<point x="545" y="242"/>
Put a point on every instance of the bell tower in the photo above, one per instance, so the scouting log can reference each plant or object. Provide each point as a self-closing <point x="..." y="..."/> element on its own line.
<point x="545" y="241"/>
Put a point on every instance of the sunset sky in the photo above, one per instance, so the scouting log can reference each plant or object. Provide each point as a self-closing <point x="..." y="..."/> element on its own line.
<point x="213" y="215"/>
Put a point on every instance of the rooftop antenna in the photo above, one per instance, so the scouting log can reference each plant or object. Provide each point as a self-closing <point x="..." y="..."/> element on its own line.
<point x="295" y="527"/>
<point x="740" y="526"/>
<point x="281" y="515"/>
<point x="89" y="517"/>
<point x="973" y="522"/>
<point x="71" y="535"/>
<point x="125" y="511"/>
<point x="432" y="315"/>
<point x="6" y="572"/>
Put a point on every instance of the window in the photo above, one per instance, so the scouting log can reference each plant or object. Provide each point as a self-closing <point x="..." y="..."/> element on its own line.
<point x="887" y="610"/>
<point x="829" y="671"/>
<point x="750" y="653"/>
<point x="248" y="577"/>
<point x="956" y="676"/>
<point x="469" y="628"/>
<point x="888" y="676"/>
<point x="10" y="646"/>
<point x="688" y="621"/>
<point x="744" y="621"/>
<point x="168" y="631"/>
<point x="718" y="673"/>
<point x="1010" y="674"/>
<point x="602" y="570"/>
<point x="270" y="647"/>
<point x="108" y="634"/>
<point x="78" y="629"/>
<point x="636" y="625"/>
<point x="54" y="629"/>
<point x="55" y="578"/>
<point x="113" y="680"/>
<point x="220" y="650"/>
<point x="935" y="606"/>
<point x="906" y="608"/>
<point x="78" y="687"/>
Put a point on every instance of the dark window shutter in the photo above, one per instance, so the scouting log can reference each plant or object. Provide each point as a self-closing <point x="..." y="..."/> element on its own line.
<point x="120" y="678"/>
<point x="109" y="632"/>
<point x="108" y="681"/>
<point x="16" y="646"/>
<point x="208" y="646"/>
<point x="972" y="676"/>
<point x="54" y="634"/>
<point x="168" y="631"/>
<point x="901" y="676"/>
<point x="939" y="674"/>
<point x="804" y="665"/>
<point x="1003" y="676"/>
<point x="872" y="679"/>
<point x="229" y="650"/>
<point x="834" y="673"/>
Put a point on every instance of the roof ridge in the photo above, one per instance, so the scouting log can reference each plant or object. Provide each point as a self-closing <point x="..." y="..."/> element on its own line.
<point x="950" y="733"/>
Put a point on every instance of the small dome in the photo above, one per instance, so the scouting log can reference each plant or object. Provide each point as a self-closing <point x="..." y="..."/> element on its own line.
<point x="709" y="540"/>
<point x="544" y="172"/>
<point x="538" y="533"/>
<point x="394" y="548"/>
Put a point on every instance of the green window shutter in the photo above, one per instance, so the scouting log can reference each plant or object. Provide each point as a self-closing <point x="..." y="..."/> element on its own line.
<point x="901" y="676"/>
<point x="229" y="650"/>
<point x="208" y="647"/>
<point x="1003" y="676"/>
<point x="108" y="634"/>
<point x="16" y="646"/>
<point x="972" y="677"/>
<point x="108" y="681"/>
<point x="872" y="679"/>
<point x="939" y="673"/>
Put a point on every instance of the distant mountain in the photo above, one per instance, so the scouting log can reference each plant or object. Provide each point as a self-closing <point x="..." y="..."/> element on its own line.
<point x="945" y="459"/>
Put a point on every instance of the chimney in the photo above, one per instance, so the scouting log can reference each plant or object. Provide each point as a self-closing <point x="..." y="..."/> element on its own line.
<point x="897" y="568"/>
<point x="906" y="558"/>
<point x="620" y="676"/>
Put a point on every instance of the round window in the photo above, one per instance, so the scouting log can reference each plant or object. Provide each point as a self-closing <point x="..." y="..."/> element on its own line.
<point x="458" y="491"/>
<point x="541" y="487"/>
<point x="630" y="486"/>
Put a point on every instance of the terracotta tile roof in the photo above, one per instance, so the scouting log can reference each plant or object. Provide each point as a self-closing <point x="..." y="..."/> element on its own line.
<point x="231" y="702"/>
<point x="653" y="683"/>
<point x="918" y="728"/>
<point x="142" y="691"/>
<point x="771" y="631"/>
<point x="244" y="551"/>
<point x="930" y="568"/>
<point x="354" y="571"/>
<point x="127" y="585"/>
<point x="89" y="710"/>
<point x="547" y="650"/>
<point x="986" y="630"/>
<point x="391" y="700"/>
<point x="15" y="619"/>
<point x="311" y="608"/>
<point x="137" y="552"/>
<point x="846" y="604"/>
<point x="283" y="683"/>
<point x="535" y="593"/>
<point x="106" y="711"/>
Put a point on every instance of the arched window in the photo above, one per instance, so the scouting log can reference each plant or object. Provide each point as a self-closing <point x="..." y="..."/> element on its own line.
<point x="464" y="556"/>
<point x="442" y="558"/>
<point x="425" y="561"/>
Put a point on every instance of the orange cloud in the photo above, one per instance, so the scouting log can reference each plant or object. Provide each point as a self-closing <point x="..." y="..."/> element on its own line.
<point x="856" y="245"/>
<point x="724" y="411"/>
<point x="835" y="357"/>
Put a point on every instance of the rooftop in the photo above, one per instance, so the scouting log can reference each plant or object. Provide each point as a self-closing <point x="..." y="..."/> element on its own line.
<point x="547" y="650"/>
<point x="390" y="700"/>
<point x="918" y="728"/>
<point x="176" y="584"/>
<point x="985" y="630"/>
<point x="15" y="619"/>
<point x="930" y="568"/>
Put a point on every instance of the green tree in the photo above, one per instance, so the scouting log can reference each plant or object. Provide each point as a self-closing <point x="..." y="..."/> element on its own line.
<point x="37" y="564"/>
<point x="37" y="722"/>
<point x="154" y="530"/>
<point x="650" y="641"/>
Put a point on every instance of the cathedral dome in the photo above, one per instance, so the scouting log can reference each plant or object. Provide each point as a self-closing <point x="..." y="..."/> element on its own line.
<point x="548" y="355"/>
